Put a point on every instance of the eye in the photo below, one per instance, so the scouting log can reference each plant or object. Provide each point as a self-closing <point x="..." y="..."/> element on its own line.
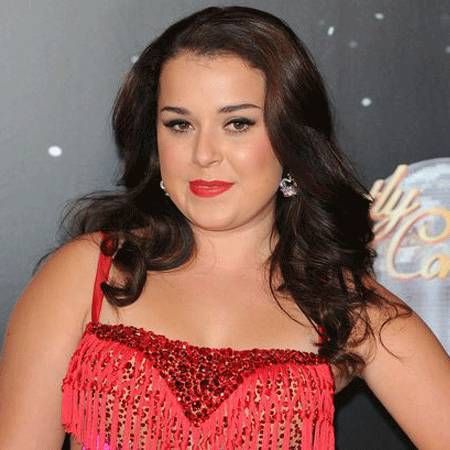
<point x="173" y="123"/>
<point x="243" y="124"/>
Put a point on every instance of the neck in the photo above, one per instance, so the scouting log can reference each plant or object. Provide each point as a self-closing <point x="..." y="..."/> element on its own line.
<point x="234" y="250"/>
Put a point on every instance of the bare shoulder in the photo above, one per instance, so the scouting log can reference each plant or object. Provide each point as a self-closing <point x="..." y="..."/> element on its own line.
<point x="60" y="292"/>
<point x="42" y="333"/>
<point x="71" y="271"/>
<point x="408" y="370"/>
<point x="391" y="321"/>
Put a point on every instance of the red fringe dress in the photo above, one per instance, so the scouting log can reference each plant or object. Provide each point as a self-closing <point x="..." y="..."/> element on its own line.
<point x="128" y="388"/>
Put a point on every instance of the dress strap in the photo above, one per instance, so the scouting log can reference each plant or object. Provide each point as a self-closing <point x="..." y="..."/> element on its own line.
<point x="103" y="266"/>
<point x="322" y="331"/>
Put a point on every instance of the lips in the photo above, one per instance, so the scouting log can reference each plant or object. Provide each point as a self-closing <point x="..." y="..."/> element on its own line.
<point x="206" y="188"/>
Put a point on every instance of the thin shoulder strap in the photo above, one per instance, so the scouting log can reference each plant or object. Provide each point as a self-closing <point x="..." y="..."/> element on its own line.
<point x="322" y="331"/>
<point x="103" y="266"/>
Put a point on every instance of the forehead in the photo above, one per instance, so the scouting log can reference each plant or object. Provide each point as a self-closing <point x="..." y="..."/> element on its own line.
<point x="221" y="78"/>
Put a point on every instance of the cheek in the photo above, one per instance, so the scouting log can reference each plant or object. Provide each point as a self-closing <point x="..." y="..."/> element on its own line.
<point x="170" y="155"/>
<point x="259" y="159"/>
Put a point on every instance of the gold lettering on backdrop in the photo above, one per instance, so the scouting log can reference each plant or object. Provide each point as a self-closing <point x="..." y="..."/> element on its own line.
<point x="392" y="212"/>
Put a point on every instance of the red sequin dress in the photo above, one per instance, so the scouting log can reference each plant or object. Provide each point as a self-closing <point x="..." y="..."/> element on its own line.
<point x="127" y="388"/>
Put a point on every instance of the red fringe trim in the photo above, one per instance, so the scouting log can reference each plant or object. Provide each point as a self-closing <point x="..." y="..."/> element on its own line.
<point x="84" y="406"/>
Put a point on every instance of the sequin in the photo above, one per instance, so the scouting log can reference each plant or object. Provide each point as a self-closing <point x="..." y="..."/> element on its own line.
<point x="132" y="388"/>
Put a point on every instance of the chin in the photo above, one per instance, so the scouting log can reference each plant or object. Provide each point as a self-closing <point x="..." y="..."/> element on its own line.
<point x="210" y="223"/>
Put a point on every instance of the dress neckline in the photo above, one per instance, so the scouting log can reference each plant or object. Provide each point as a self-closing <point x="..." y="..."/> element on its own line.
<point x="139" y="331"/>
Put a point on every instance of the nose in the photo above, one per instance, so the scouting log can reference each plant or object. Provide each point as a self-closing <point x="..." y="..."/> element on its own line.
<point x="206" y="149"/>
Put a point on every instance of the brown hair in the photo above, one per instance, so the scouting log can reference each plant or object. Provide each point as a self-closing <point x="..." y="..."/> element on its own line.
<point x="323" y="251"/>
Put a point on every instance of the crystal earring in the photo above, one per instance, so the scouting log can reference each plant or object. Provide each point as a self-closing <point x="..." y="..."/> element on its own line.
<point x="161" y="184"/>
<point x="288" y="186"/>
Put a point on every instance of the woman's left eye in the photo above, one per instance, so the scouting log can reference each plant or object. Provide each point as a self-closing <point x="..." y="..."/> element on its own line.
<point x="243" y="125"/>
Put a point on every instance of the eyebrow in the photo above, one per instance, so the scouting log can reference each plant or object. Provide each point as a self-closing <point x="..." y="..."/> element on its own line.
<point x="223" y="109"/>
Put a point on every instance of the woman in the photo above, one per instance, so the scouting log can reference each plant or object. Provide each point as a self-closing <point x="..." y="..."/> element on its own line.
<point x="236" y="268"/>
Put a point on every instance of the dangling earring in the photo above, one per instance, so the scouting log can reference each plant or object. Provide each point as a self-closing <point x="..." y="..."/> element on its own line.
<point x="161" y="184"/>
<point x="288" y="186"/>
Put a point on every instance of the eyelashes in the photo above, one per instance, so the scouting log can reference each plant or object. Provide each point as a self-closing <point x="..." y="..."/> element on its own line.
<point x="247" y="123"/>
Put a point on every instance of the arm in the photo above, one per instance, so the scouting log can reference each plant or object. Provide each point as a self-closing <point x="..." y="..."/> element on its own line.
<point x="43" y="331"/>
<point x="415" y="389"/>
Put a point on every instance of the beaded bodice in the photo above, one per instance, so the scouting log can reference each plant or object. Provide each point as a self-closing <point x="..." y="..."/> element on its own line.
<point x="129" y="388"/>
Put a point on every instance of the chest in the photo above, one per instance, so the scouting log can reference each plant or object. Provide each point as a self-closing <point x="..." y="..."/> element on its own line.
<point x="216" y="310"/>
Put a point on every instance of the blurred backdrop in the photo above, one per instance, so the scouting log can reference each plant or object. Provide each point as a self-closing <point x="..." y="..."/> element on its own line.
<point x="386" y="66"/>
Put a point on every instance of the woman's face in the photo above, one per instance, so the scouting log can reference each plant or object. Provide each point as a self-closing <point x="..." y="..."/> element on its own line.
<point x="198" y="139"/>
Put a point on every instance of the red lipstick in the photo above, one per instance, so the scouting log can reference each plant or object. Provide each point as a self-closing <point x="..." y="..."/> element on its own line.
<point x="204" y="188"/>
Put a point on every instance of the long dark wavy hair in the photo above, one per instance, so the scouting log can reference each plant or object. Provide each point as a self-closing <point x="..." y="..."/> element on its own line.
<point x="324" y="249"/>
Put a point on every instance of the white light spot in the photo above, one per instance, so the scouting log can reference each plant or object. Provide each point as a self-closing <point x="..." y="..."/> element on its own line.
<point x="353" y="44"/>
<point x="134" y="58"/>
<point x="54" y="151"/>
<point x="447" y="49"/>
<point x="366" y="101"/>
<point x="330" y="31"/>
<point x="379" y="16"/>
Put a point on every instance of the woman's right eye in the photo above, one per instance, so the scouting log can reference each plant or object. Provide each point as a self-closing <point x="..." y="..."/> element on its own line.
<point x="174" y="123"/>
